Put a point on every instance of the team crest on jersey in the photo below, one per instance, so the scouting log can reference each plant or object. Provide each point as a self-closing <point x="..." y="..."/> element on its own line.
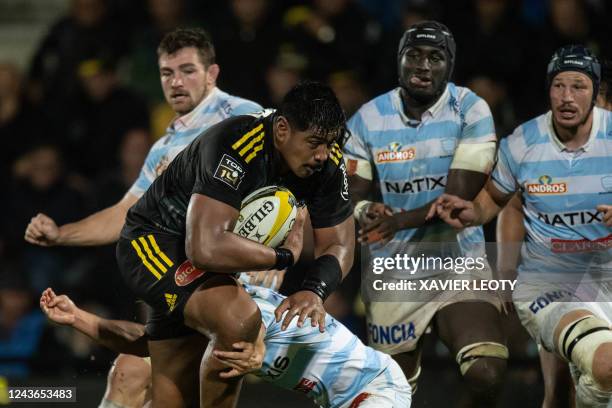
<point x="186" y="273"/>
<point x="229" y="172"/>
<point x="395" y="154"/>
<point x="545" y="185"/>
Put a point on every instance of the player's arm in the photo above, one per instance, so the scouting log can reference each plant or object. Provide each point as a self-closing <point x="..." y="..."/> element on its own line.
<point x="211" y="245"/>
<point x="510" y="233"/>
<point x="462" y="183"/>
<point x="245" y="357"/>
<point x="365" y="209"/>
<point x="465" y="184"/>
<point x="460" y="213"/>
<point x="334" y="245"/>
<point x="334" y="253"/>
<point x="118" y="335"/>
<point x="100" y="228"/>
<point x="498" y="191"/>
<point x="337" y="241"/>
<point x="361" y="174"/>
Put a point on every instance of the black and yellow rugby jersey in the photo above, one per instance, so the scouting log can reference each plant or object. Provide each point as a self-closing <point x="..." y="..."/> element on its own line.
<point x="227" y="162"/>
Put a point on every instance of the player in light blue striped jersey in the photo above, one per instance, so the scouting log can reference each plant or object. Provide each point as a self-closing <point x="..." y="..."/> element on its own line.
<point x="333" y="368"/>
<point x="188" y="76"/>
<point x="411" y="144"/>
<point x="561" y="162"/>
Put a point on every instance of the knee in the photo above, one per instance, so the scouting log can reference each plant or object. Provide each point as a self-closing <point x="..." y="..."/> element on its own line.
<point x="602" y="367"/>
<point x="486" y="374"/>
<point x="591" y="393"/>
<point x="587" y="342"/>
<point x="130" y="375"/>
<point x="483" y="365"/>
<point x="240" y="321"/>
<point x="222" y="310"/>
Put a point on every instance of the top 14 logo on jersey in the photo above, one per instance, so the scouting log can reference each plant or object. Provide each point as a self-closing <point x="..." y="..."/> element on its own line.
<point x="395" y="153"/>
<point x="229" y="172"/>
<point x="545" y="185"/>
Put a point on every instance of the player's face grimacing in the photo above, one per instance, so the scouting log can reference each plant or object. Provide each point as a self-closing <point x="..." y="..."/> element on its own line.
<point x="185" y="80"/>
<point x="305" y="152"/>
<point x="422" y="71"/>
<point x="571" y="96"/>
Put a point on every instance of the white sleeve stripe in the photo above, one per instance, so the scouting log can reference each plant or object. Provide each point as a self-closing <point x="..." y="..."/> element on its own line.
<point x="478" y="111"/>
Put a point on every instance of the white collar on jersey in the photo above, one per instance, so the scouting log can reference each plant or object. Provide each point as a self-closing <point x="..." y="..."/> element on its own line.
<point x="559" y="144"/>
<point x="186" y="121"/>
<point x="431" y="112"/>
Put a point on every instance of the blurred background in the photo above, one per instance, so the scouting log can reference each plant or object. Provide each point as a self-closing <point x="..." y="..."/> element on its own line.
<point x="81" y="103"/>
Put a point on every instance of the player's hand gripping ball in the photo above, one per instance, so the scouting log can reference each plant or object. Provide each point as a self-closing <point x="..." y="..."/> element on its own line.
<point x="267" y="215"/>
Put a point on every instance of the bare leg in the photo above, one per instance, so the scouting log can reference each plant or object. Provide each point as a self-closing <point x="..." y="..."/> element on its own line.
<point x="462" y="324"/>
<point x="558" y="383"/>
<point x="174" y="364"/>
<point x="410" y="364"/>
<point x="129" y="379"/>
<point x="224" y="312"/>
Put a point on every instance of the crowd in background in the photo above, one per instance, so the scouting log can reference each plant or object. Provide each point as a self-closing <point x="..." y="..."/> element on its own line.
<point x="76" y="126"/>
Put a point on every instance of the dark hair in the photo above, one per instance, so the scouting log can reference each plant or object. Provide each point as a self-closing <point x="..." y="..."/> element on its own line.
<point x="313" y="105"/>
<point x="181" y="38"/>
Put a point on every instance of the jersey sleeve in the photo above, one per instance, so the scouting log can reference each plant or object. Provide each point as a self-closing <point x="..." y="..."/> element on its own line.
<point x="331" y="203"/>
<point x="221" y="173"/>
<point x="355" y="147"/>
<point x="504" y="174"/>
<point x="148" y="172"/>
<point x="478" y="126"/>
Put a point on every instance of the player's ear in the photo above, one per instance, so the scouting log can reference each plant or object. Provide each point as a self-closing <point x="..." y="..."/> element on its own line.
<point x="213" y="73"/>
<point x="283" y="129"/>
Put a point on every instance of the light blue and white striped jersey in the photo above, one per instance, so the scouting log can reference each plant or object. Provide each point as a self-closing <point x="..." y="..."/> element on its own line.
<point x="561" y="191"/>
<point x="216" y="107"/>
<point x="331" y="367"/>
<point x="412" y="160"/>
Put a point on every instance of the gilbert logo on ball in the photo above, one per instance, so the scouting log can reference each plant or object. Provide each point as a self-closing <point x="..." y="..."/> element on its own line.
<point x="267" y="215"/>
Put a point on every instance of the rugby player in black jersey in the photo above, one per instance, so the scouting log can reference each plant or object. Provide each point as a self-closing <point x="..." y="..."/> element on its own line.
<point x="178" y="253"/>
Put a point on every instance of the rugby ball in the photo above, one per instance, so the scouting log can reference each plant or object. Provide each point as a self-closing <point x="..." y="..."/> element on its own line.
<point x="267" y="215"/>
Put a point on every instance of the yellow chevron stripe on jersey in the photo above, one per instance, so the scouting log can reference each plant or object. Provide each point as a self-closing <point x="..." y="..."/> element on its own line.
<point x="251" y="144"/>
<point x="254" y="152"/>
<point x="335" y="154"/>
<point x="246" y="136"/>
<point x="152" y="257"/>
<point x="159" y="252"/>
<point x="143" y="258"/>
<point x="334" y="158"/>
<point x="336" y="150"/>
